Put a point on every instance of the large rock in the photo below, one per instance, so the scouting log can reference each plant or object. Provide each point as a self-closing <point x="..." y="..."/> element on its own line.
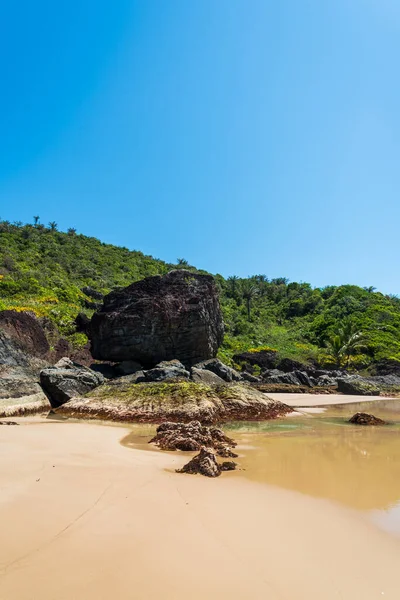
<point x="164" y="371"/>
<point x="160" y="318"/>
<point x="223" y="371"/>
<point x="181" y="401"/>
<point x="193" y="436"/>
<point x="357" y="386"/>
<point x="67" y="379"/>
<point x="205" y="376"/>
<point x="264" y="359"/>
<point x="20" y="392"/>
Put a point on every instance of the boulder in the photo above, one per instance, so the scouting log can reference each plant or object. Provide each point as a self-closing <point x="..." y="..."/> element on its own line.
<point x="365" y="419"/>
<point x="160" y="318"/>
<point x="193" y="436"/>
<point x="325" y="380"/>
<point x="205" y="376"/>
<point x="357" y="386"/>
<point x="288" y="365"/>
<point x="206" y="464"/>
<point x="279" y="377"/>
<point x="223" y="371"/>
<point x="164" y="371"/>
<point x="250" y="378"/>
<point x="265" y="359"/>
<point x="67" y="379"/>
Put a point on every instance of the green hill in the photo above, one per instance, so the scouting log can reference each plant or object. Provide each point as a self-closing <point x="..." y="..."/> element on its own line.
<point x="46" y="271"/>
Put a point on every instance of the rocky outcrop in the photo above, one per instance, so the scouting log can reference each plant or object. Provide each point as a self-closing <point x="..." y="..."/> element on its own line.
<point x="193" y="436"/>
<point x="206" y="464"/>
<point x="66" y="380"/>
<point x="25" y="329"/>
<point x="183" y="401"/>
<point x="357" y="386"/>
<point x="20" y="392"/>
<point x="365" y="419"/>
<point x="223" y="371"/>
<point x="160" y="318"/>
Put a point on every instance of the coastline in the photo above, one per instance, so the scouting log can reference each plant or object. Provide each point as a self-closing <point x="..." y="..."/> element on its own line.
<point x="94" y="519"/>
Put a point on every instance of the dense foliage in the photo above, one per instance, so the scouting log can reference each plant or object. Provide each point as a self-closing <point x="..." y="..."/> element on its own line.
<point x="47" y="272"/>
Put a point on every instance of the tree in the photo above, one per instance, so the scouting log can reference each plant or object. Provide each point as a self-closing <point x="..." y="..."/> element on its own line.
<point x="36" y="220"/>
<point x="232" y="282"/>
<point x="249" y="291"/>
<point x="345" y="342"/>
<point x="182" y="262"/>
<point x="71" y="231"/>
<point x="53" y="226"/>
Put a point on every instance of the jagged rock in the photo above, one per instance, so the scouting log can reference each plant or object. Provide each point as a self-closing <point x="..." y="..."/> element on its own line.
<point x="206" y="464"/>
<point x="66" y="380"/>
<point x="279" y="377"/>
<point x="160" y="318"/>
<point x="223" y="371"/>
<point x="388" y="381"/>
<point x="205" y="376"/>
<point x="193" y="436"/>
<point x="357" y="386"/>
<point x="163" y="372"/>
<point x="304" y="378"/>
<point x="325" y="380"/>
<point x="365" y="419"/>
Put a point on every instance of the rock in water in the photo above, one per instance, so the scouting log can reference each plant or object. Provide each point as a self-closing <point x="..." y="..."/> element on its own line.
<point x="193" y="436"/>
<point x="206" y="464"/>
<point x="366" y="419"/>
<point x="160" y="318"/>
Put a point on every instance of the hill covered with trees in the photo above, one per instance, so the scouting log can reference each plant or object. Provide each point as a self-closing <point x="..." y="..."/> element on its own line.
<point x="57" y="275"/>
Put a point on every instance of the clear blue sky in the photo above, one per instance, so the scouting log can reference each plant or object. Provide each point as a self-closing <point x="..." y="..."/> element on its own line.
<point x="247" y="136"/>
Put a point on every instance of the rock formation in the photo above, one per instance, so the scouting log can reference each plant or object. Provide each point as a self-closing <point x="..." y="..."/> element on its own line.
<point x="193" y="436"/>
<point x="67" y="379"/>
<point x="206" y="464"/>
<point x="365" y="419"/>
<point x="357" y="386"/>
<point x="159" y="318"/>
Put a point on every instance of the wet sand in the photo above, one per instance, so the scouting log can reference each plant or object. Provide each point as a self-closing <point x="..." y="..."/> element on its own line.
<point x="321" y="399"/>
<point x="84" y="517"/>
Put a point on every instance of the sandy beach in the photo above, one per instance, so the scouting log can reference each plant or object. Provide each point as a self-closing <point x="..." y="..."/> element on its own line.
<point x="84" y="517"/>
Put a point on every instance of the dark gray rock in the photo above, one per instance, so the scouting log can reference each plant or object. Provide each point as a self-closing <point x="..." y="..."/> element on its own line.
<point x="303" y="378"/>
<point x="250" y="378"/>
<point x="223" y="371"/>
<point x="66" y="380"/>
<point x="325" y="380"/>
<point x="128" y="367"/>
<point x="205" y="376"/>
<point x="160" y="318"/>
<point x="385" y="380"/>
<point x="164" y="371"/>
<point x="357" y="386"/>
<point x="275" y="376"/>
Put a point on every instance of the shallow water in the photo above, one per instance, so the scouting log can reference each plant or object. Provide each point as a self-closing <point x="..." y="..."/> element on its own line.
<point x="318" y="453"/>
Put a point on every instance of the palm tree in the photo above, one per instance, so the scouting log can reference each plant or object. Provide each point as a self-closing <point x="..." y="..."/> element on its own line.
<point x="36" y="220"/>
<point x="71" y="231"/>
<point x="53" y="226"/>
<point x="182" y="262"/>
<point x="249" y="291"/>
<point x="345" y="342"/>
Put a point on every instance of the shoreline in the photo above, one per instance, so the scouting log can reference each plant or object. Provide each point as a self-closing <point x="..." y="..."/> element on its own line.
<point x="95" y="520"/>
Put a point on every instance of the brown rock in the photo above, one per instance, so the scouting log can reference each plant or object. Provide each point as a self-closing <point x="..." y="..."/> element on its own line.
<point x="206" y="464"/>
<point x="365" y="419"/>
<point x="193" y="436"/>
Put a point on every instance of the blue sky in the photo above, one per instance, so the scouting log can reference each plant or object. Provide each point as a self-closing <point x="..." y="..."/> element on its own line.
<point x="247" y="136"/>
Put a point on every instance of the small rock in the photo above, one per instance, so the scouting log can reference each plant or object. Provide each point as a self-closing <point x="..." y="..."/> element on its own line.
<point x="206" y="464"/>
<point x="365" y="419"/>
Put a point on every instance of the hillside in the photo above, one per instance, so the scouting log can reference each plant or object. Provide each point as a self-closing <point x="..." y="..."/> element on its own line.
<point x="54" y="275"/>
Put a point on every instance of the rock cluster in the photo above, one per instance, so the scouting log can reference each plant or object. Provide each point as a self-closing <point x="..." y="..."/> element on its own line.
<point x="193" y="436"/>
<point x="205" y="463"/>
<point x="365" y="419"/>
<point x="66" y="380"/>
<point x="175" y="316"/>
